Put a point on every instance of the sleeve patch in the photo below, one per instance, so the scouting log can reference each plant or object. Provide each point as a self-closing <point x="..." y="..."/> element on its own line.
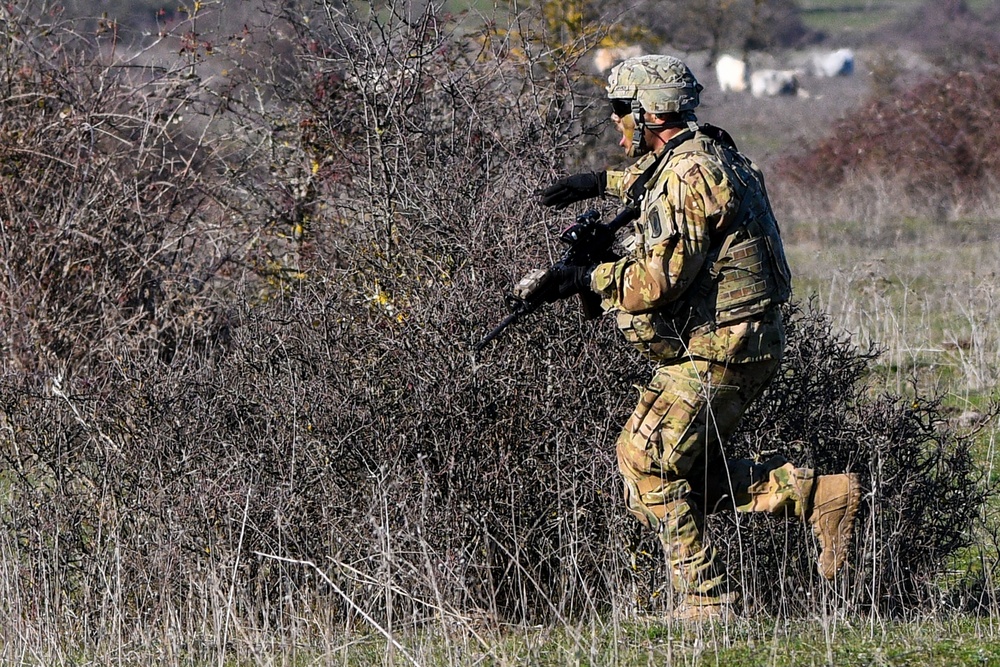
<point x="653" y="221"/>
<point x="659" y="222"/>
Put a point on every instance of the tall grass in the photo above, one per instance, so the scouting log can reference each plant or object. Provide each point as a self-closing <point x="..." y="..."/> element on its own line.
<point x="920" y="282"/>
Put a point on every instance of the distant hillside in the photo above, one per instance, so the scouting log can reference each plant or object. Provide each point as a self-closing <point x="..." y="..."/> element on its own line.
<point x="853" y="19"/>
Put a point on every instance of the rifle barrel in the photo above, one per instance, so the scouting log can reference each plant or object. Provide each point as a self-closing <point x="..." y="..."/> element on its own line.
<point x="506" y="322"/>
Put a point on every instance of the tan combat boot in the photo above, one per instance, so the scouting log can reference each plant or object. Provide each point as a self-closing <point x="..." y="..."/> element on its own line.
<point x="695" y="608"/>
<point x="834" y="504"/>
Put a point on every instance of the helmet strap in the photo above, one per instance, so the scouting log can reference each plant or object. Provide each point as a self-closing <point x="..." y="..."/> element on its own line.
<point x="686" y="120"/>
<point x="639" y="146"/>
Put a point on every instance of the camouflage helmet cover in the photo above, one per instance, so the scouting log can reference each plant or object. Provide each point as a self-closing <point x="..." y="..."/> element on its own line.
<point x="662" y="84"/>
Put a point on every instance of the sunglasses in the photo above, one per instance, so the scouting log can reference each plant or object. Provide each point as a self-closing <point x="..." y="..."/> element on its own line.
<point x="621" y="108"/>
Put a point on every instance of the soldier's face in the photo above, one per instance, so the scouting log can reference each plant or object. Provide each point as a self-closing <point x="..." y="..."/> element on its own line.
<point x="626" y="127"/>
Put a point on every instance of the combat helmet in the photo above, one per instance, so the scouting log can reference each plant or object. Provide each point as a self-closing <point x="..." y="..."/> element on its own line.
<point x="657" y="84"/>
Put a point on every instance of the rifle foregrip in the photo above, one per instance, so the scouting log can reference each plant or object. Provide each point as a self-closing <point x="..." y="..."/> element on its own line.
<point x="590" y="303"/>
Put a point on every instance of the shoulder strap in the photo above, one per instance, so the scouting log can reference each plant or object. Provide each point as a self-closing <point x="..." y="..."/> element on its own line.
<point x="637" y="192"/>
<point x="720" y="135"/>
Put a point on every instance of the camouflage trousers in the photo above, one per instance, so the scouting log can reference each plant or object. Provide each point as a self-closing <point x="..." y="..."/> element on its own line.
<point x="670" y="455"/>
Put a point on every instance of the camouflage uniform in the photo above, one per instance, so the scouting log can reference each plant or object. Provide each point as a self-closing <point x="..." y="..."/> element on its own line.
<point x="698" y="294"/>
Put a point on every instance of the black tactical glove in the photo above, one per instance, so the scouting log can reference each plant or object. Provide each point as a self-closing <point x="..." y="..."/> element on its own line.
<point x="574" y="188"/>
<point x="568" y="280"/>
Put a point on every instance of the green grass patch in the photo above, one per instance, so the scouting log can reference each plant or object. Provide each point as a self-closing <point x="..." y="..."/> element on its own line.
<point x="743" y="643"/>
<point x="840" y="21"/>
<point x="834" y="16"/>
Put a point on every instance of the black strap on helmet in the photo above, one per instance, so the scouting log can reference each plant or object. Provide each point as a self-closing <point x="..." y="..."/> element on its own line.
<point x="639" y="147"/>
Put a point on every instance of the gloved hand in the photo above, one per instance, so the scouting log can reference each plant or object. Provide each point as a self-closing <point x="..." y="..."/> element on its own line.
<point x="567" y="281"/>
<point x="574" y="188"/>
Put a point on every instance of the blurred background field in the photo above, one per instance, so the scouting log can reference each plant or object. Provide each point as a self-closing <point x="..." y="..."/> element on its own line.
<point x="842" y="18"/>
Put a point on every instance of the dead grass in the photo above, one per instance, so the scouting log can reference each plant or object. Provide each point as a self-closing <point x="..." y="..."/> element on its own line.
<point x="931" y="305"/>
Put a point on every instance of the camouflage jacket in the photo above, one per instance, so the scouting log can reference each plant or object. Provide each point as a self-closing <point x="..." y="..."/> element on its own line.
<point x="702" y="197"/>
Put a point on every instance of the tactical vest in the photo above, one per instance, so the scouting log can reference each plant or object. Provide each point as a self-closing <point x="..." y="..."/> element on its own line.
<point x="745" y="272"/>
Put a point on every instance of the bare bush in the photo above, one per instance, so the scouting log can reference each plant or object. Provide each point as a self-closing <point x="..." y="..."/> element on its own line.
<point x="112" y="243"/>
<point x="950" y="163"/>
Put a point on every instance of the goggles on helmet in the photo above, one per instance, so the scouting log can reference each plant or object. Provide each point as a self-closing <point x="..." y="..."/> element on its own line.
<point x="621" y="107"/>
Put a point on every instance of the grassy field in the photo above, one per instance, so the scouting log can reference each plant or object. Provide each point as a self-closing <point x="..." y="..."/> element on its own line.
<point x="930" y="304"/>
<point x="758" y="642"/>
<point x="939" y="643"/>
<point x="838" y="17"/>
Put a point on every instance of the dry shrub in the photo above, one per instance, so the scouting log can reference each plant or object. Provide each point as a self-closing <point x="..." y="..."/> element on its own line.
<point x="421" y="480"/>
<point x="923" y="490"/>
<point x="941" y="129"/>
<point x="111" y="241"/>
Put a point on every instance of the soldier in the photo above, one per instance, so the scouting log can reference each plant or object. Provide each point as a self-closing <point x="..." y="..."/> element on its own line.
<point x="698" y="293"/>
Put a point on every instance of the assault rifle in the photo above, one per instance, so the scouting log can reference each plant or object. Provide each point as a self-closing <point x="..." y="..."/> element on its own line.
<point x="588" y="242"/>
